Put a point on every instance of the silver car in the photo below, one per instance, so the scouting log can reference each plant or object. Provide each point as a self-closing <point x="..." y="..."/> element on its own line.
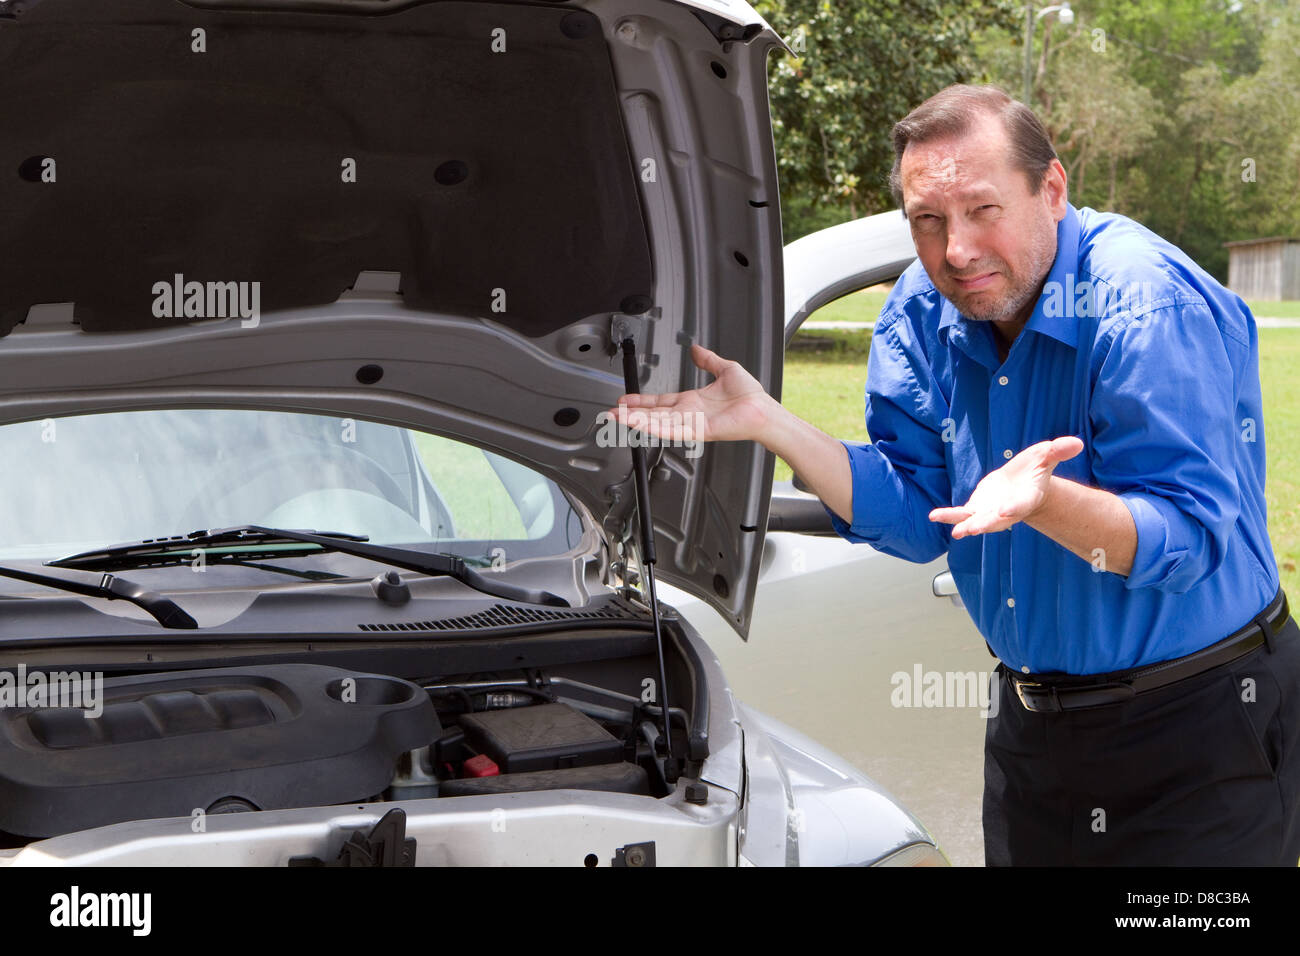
<point x="316" y="547"/>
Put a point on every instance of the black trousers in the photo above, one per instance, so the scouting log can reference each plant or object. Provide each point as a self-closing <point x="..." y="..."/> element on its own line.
<point x="1204" y="772"/>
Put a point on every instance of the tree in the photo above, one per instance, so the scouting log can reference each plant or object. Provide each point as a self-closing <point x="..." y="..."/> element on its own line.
<point x="1255" y="119"/>
<point x="858" y="69"/>
<point x="1153" y="106"/>
<point x="1098" y="116"/>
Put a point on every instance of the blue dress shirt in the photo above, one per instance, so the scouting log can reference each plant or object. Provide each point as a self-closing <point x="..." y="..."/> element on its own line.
<point x="1140" y="353"/>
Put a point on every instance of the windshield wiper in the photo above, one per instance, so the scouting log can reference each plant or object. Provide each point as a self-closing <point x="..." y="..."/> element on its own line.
<point x="165" y="611"/>
<point x="146" y="552"/>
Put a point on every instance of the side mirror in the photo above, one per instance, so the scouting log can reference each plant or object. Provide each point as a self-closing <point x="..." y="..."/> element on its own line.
<point x="802" y="515"/>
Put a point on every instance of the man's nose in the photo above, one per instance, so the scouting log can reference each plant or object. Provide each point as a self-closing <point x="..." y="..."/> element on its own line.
<point x="962" y="244"/>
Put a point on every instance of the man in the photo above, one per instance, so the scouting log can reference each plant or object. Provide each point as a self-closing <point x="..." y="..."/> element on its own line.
<point x="1069" y="408"/>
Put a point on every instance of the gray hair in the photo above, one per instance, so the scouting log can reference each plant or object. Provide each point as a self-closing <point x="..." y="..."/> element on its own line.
<point x="951" y="112"/>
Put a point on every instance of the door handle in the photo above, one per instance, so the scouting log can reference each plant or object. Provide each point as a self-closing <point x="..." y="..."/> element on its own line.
<point x="943" y="585"/>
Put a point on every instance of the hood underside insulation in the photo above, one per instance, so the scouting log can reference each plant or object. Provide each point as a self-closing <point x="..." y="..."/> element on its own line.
<point x="145" y="139"/>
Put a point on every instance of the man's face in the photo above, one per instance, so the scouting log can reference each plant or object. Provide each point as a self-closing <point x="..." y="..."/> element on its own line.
<point x="985" y="240"/>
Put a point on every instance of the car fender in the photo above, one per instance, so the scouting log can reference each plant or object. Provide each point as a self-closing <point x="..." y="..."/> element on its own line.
<point x="805" y="806"/>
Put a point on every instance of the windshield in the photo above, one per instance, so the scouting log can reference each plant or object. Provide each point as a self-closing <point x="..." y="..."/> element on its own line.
<point x="75" y="483"/>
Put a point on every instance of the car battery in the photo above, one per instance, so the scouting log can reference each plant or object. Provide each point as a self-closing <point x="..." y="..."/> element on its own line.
<point x="540" y="737"/>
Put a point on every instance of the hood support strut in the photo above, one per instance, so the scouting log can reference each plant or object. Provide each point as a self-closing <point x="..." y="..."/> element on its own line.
<point x="641" y="475"/>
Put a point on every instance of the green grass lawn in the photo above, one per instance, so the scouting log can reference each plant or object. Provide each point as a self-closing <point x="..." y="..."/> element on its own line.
<point x="826" y="387"/>
<point x="861" y="306"/>
<point x="479" y="504"/>
<point x="1279" y="369"/>
<point x="1277" y="310"/>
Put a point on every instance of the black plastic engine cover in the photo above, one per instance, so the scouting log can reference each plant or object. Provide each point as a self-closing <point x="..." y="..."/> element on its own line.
<point x="276" y="736"/>
<point x="619" y="777"/>
<point x="540" y="737"/>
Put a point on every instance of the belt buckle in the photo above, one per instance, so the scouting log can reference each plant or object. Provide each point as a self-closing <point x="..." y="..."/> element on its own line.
<point x="1024" y="701"/>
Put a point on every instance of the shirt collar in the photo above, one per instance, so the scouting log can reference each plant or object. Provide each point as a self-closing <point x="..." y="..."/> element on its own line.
<point x="1059" y="323"/>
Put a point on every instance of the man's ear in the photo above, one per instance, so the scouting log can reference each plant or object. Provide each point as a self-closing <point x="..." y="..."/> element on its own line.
<point x="1055" y="190"/>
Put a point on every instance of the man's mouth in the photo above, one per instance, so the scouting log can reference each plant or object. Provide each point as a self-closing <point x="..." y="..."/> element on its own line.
<point x="975" y="282"/>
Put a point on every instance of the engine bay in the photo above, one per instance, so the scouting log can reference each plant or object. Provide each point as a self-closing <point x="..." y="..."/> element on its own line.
<point x="267" y="736"/>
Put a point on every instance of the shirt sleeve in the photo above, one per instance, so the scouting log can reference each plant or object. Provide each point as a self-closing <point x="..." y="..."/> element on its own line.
<point x="1165" y="441"/>
<point x="902" y="475"/>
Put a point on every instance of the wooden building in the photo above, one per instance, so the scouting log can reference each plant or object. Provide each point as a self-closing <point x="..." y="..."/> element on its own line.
<point x="1265" y="269"/>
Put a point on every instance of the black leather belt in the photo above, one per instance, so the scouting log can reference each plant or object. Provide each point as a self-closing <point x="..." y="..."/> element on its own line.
<point x="1046" y="693"/>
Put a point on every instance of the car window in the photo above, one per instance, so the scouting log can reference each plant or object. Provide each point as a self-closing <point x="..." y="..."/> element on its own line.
<point x="80" y="482"/>
<point x="472" y="489"/>
<point x="861" y="305"/>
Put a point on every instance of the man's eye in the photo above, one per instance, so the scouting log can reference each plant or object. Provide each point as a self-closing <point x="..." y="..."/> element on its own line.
<point x="989" y="207"/>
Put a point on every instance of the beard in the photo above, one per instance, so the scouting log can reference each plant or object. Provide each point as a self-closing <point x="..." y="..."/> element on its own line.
<point x="1020" y="287"/>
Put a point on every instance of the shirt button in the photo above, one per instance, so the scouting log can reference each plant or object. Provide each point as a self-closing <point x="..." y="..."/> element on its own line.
<point x="1024" y="668"/>
<point x="1008" y="454"/>
<point x="1003" y="380"/>
<point x="1011" y="602"/>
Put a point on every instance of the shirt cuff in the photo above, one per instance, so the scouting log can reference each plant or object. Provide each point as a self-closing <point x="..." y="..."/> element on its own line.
<point x="1162" y="545"/>
<point x="867" y="469"/>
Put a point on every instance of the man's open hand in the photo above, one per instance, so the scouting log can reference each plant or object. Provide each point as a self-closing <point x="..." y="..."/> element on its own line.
<point x="733" y="407"/>
<point x="1011" y="493"/>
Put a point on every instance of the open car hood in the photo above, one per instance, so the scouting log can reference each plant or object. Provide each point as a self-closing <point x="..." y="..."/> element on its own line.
<point x="429" y="214"/>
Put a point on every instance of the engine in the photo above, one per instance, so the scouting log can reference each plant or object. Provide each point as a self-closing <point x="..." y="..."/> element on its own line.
<point x="277" y="736"/>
